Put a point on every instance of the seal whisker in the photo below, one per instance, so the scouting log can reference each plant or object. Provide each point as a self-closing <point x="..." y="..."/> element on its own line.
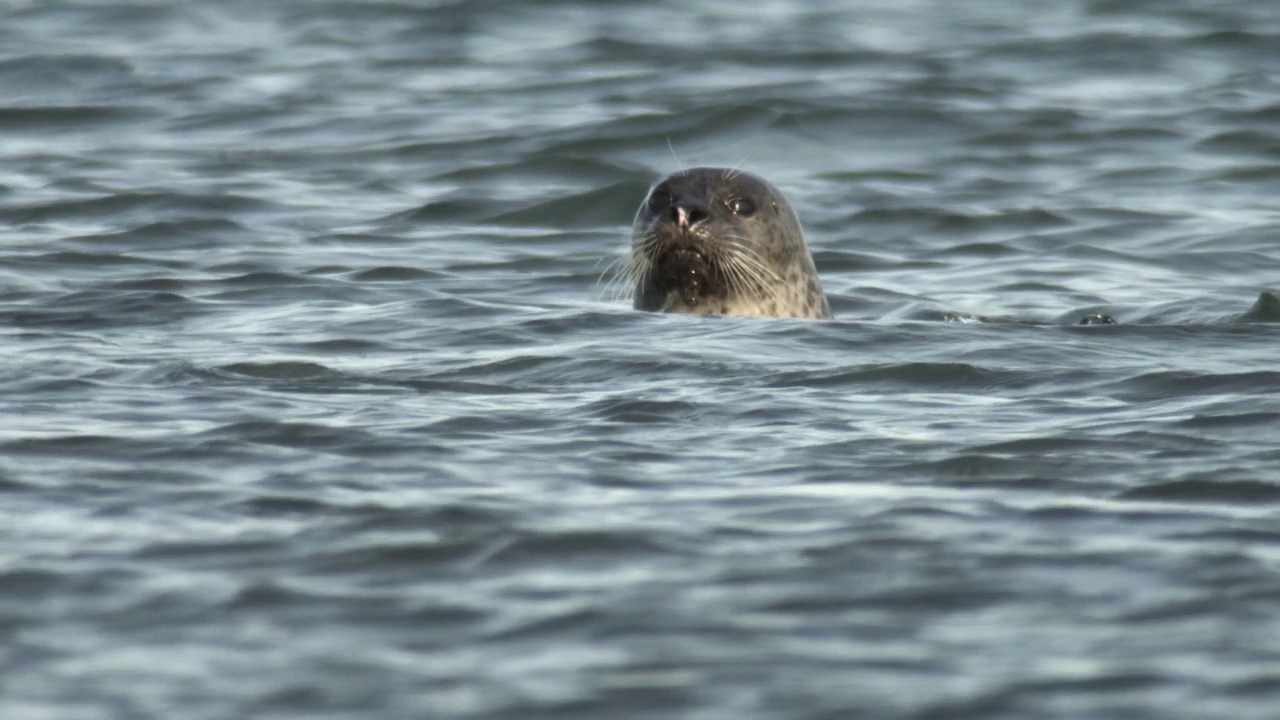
<point x="748" y="274"/>
<point x="675" y="157"/>
<point x="754" y="267"/>
<point x="612" y="277"/>
<point x="758" y="277"/>
<point x="626" y="271"/>
<point x="633" y="274"/>
<point x="734" y="171"/>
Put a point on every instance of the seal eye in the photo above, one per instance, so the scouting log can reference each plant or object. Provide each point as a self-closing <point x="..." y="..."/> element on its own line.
<point x="659" y="200"/>
<point x="741" y="207"/>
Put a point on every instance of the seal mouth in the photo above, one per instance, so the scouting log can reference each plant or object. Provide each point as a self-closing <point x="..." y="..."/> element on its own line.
<point x="683" y="258"/>
<point x="685" y="271"/>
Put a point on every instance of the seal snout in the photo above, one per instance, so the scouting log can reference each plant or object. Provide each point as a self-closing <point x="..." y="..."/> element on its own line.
<point x="685" y="215"/>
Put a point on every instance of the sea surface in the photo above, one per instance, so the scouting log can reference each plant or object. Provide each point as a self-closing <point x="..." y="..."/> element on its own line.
<point x="316" y="402"/>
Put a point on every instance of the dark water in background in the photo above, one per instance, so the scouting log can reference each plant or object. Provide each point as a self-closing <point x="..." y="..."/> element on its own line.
<point x="312" y="406"/>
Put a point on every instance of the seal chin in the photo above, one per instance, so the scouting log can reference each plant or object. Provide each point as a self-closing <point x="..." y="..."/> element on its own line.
<point x="684" y="275"/>
<point x="682" y="261"/>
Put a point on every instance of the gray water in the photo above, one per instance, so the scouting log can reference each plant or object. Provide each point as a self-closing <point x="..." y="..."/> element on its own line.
<point x="315" y="405"/>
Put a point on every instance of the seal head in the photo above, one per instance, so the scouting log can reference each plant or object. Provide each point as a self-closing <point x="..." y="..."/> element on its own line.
<point x="723" y="242"/>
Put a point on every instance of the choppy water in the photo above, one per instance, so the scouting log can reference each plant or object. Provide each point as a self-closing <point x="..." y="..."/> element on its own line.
<point x="313" y="407"/>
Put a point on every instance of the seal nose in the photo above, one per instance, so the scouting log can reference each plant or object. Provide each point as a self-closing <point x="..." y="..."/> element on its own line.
<point x="686" y="216"/>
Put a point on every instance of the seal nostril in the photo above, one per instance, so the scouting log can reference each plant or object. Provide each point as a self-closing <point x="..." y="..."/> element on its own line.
<point x="687" y="215"/>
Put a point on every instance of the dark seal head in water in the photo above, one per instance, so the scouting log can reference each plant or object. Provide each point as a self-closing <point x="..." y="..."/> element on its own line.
<point x="723" y="242"/>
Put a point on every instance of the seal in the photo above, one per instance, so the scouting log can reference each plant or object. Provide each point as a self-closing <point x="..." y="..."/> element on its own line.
<point x="721" y="242"/>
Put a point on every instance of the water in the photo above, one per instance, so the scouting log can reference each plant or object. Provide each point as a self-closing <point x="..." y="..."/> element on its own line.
<point x="313" y="406"/>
